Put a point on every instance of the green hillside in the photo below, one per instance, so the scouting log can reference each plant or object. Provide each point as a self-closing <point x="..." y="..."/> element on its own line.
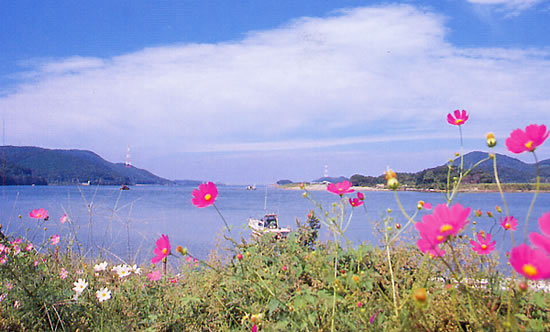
<point x="510" y="170"/>
<point x="34" y="165"/>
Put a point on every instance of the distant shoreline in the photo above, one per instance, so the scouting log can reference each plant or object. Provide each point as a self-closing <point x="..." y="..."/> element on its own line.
<point x="468" y="188"/>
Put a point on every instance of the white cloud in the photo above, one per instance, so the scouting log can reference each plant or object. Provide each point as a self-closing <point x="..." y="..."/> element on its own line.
<point x="513" y="7"/>
<point x="359" y="76"/>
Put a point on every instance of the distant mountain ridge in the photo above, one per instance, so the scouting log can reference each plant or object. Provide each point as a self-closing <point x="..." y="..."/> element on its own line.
<point x="34" y="165"/>
<point x="510" y="170"/>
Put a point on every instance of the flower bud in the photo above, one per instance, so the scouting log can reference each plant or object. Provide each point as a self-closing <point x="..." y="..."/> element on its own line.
<point x="398" y="226"/>
<point x="523" y="286"/>
<point x="478" y="213"/>
<point x="393" y="183"/>
<point x="239" y="256"/>
<point x="491" y="141"/>
<point x="390" y="174"/>
<point x="420" y="295"/>
<point x="499" y="210"/>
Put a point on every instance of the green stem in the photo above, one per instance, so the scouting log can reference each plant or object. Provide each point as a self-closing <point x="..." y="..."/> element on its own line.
<point x="537" y="188"/>
<point x="497" y="180"/>
<point x="334" y="282"/>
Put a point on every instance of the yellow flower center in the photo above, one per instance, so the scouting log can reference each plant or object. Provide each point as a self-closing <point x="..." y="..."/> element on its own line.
<point x="507" y="226"/>
<point x="483" y="247"/>
<point x="446" y="228"/>
<point x="459" y="121"/>
<point x="207" y="197"/>
<point x="39" y="216"/>
<point x="529" y="145"/>
<point x="440" y="238"/>
<point x="530" y="270"/>
<point x="164" y="251"/>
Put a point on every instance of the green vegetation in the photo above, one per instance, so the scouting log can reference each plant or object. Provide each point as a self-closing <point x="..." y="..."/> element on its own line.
<point x="32" y="165"/>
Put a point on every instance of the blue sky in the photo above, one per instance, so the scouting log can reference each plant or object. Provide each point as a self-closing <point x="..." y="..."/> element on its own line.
<point x="257" y="91"/>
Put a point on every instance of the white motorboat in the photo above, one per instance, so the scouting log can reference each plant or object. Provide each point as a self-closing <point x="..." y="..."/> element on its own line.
<point x="268" y="224"/>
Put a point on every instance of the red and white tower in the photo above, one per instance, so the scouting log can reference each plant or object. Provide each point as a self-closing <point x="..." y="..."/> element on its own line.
<point x="128" y="162"/>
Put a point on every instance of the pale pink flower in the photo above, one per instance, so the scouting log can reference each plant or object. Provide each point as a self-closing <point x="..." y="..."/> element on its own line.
<point x="162" y="250"/>
<point x="54" y="240"/>
<point x="29" y="247"/>
<point x="205" y="195"/>
<point x="154" y="276"/>
<point x="460" y="117"/>
<point x="528" y="140"/>
<point x="3" y="259"/>
<point x="63" y="274"/>
<point x="63" y="219"/>
<point x="16" y="250"/>
<point x="39" y="214"/>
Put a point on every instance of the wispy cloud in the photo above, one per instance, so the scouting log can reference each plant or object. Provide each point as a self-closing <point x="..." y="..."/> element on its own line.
<point x="511" y="7"/>
<point x="375" y="73"/>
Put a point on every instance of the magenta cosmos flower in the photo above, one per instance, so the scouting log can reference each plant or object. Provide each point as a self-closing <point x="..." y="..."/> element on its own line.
<point x="532" y="263"/>
<point x="39" y="214"/>
<point x="459" y="118"/>
<point x="355" y="202"/>
<point x="509" y="223"/>
<point x="162" y="250"/>
<point x="539" y="240"/>
<point x="442" y="223"/>
<point x="528" y="140"/>
<point x="483" y="246"/>
<point x="205" y="195"/>
<point x="340" y="188"/>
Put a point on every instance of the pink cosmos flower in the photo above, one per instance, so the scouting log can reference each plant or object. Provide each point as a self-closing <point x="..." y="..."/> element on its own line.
<point x="340" y="188"/>
<point x="205" y="195"/>
<point x="63" y="219"/>
<point x="539" y="240"/>
<point x="3" y="259"/>
<point x="154" y="276"/>
<point x="54" y="239"/>
<point x="484" y="246"/>
<point x="162" y="250"/>
<point x="254" y="328"/>
<point x="442" y="223"/>
<point x="534" y="264"/>
<point x="174" y="280"/>
<point x="460" y="117"/>
<point x="509" y="223"/>
<point x="39" y="214"/>
<point x="29" y="247"/>
<point x="360" y="196"/>
<point x="427" y="206"/>
<point x="192" y="261"/>
<point x="63" y="274"/>
<point x="430" y="247"/>
<point x="355" y="202"/>
<point x="528" y="140"/>
<point x="16" y="250"/>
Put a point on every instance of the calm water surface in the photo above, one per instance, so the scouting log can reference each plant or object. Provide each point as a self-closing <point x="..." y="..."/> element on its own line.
<point x="127" y="223"/>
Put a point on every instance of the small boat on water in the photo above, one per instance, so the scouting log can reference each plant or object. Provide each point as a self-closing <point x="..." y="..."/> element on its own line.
<point x="124" y="187"/>
<point x="252" y="187"/>
<point x="268" y="224"/>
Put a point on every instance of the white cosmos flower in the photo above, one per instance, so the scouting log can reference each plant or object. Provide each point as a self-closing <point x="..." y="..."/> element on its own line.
<point x="80" y="285"/>
<point x="103" y="294"/>
<point x="100" y="267"/>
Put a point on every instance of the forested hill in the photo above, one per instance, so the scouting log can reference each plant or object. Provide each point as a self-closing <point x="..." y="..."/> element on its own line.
<point x="23" y="165"/>
<point x="510" y="170"/>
